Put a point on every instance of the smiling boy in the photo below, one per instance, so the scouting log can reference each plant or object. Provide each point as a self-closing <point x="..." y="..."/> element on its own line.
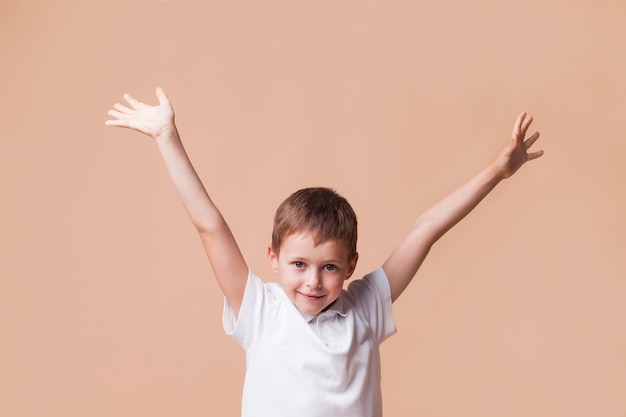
<point x="312" y="348"/>
<point x="311" y="275"/>
<point x="313" y="247"/>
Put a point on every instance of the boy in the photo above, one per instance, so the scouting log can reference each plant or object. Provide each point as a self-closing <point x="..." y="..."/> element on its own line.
<point x="312" y="348"/>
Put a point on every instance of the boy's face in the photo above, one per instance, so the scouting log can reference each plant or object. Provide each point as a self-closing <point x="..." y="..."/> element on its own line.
<point x="311" y="276"/>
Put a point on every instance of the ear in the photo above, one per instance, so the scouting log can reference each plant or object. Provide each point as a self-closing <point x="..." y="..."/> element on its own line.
<point x="272" y="258"/>
<point x="352" y="266"/>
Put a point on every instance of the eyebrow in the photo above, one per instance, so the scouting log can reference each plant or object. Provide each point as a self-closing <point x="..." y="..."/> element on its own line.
<point x="300" y="258"/>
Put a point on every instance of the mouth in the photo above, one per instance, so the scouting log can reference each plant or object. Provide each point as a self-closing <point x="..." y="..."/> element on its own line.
<point x="311" y="297"/>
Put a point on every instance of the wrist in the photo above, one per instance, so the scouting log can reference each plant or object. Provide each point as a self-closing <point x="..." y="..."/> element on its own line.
<point x="496" y="172"/>
<point x="166" y="134"/>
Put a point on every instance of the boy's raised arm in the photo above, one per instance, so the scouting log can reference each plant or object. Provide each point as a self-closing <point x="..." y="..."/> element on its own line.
<point x="222" y="250"/>
<point x="406" y="259"/>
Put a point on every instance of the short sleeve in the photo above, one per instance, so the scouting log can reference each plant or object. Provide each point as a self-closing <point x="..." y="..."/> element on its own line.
<point x="371" y="297"/>
<point x="257" y="306"/>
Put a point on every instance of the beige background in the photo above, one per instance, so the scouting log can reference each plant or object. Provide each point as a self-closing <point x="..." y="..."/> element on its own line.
<point x="107" y="304"/>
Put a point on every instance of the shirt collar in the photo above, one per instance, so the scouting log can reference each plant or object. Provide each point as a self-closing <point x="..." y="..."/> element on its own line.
<point x="336" y="308"/>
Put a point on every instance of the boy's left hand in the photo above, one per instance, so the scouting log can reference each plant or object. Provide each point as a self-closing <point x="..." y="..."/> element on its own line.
<point x="516" y="154"/>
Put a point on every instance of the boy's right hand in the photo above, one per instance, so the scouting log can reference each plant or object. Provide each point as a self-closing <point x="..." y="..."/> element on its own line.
<point x="154" y="121"/>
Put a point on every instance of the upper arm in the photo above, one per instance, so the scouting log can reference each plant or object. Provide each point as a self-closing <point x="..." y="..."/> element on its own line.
<point x="227" y="262"/>
<point x="405" y="260"/>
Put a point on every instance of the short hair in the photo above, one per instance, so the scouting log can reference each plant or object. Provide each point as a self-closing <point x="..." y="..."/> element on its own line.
<point x="320" y="211"/>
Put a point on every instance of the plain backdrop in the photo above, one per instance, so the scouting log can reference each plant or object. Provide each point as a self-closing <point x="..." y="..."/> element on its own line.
<point x="108" y="306"/>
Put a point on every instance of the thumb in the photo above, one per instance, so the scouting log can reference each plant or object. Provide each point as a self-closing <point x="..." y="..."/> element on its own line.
<point x="162" y="96"/>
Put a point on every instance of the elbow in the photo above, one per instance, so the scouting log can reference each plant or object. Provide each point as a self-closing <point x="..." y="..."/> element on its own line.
<point x="426" y="231"/>
<point x="208" y="229"/>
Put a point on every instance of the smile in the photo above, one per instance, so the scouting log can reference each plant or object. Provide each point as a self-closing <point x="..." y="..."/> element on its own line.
<point x="312" y="297"/>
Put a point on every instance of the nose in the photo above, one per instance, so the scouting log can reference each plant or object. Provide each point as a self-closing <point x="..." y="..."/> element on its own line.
<point x="313" y="279"/>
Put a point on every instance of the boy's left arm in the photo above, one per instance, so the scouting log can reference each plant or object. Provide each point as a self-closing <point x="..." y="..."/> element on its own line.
<point x="406" y="259"/>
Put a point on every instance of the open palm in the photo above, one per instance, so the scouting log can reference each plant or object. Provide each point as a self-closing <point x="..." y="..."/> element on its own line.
<point x="151" y="120"/>
<point x="516" y="154"/>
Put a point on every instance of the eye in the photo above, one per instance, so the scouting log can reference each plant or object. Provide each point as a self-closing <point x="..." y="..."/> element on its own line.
<point x="298" y="264"/>
<point x="330" y="267"/>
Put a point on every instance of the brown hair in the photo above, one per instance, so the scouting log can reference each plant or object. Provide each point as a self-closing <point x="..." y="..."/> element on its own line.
<point x="320" y="211"/>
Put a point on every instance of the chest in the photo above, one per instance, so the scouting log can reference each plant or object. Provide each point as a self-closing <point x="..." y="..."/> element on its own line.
<point x="330" y="346"/>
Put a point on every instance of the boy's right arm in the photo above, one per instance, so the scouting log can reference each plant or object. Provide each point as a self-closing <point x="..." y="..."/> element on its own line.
<point x="228" y="264"/>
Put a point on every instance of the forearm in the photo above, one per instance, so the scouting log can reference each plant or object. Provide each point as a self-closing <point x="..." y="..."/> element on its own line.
<point x="203" y="213"/>
<point x="441" y="217"/>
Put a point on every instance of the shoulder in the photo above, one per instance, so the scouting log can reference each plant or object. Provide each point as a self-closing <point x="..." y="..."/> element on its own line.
<point x="260" y="302"/>
<point x="370" y="297"/>
<point x="376" y="282"/>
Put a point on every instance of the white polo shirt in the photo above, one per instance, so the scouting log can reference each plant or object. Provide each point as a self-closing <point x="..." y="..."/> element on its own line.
<point x="324" y="365"/>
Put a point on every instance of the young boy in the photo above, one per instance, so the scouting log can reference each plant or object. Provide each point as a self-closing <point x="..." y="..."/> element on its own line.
<point x="312" y="348"/>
